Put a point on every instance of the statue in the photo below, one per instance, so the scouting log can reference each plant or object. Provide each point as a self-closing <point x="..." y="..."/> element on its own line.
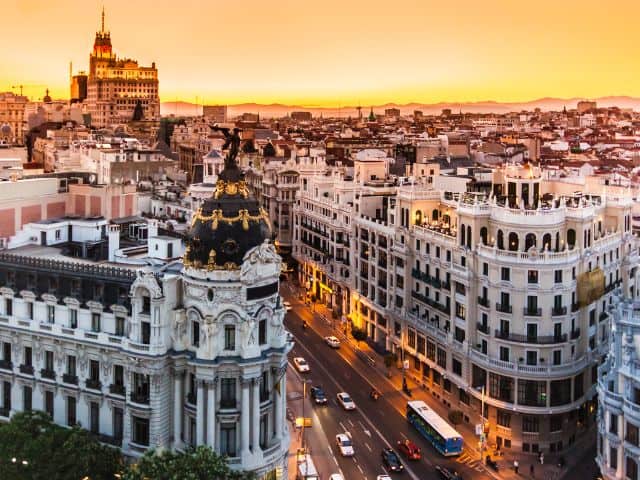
<point x="232" y="143"/>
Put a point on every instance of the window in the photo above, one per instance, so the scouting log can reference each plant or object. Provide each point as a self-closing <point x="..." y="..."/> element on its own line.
<point x="411" y="338"/>
<point x="30" y="310"/>
<point x="264" y="430"/>
<point x="48" y="402"/>
<point x="146" y="332"/>
<point x="28" y="357"/>
<point x="8" y="304"/>
<point x="6" y="352"/>
<point x="557" y="357"/>
<point x="195" y="333"/>
<point x="504" y="419"/>
<point x="228" y="393"/>
<point x="94" y="417"/>
<point x="71" y="365"/>
<point x="229" y="337"/>
<point x="632" y="436"/>
<point x="140" y="431"/>
<point x="532" y="276"/>
<point x="613" y="423"/>
<point x="48" y="360"/>
<point x="501" y="387"/>
<point x="505" y="274"/>
<point x="146" y="305"/>
<point x="632" y="468"/>
<point x="95" y="322"/>
<point x="120" y="326"/>
<point x="431" y="351"/>
<point x="530" y="424"/>
<point x="118" y="375"/>
<point x="94" y="370"/>
<point x="613" y="458"/>
<point x="464" y="397"/>
<point x="71" y="411"/>
<point x="27" y="397"/>
<point x="457" y="367"/>
<point x="51" y="313"/>
<point x="73" y="318"/>
<point x="262" y="332"/>
<point x="532" y="393"/>
<point x="442" y="358"/>
<point x="532" y="357"/>
<point x="228" y="439"/>
<point x="560" y="392"/>
<point x="485" y="269"/>
<point x="555" y="423"/>
<point x="558" y="276"/>
<point x="504" y="354"/>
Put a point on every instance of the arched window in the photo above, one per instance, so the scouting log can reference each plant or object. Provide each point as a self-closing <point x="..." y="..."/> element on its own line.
<point x="434" y="214"/>
<point x="446" y="219"/>
<point x="418" y="217"/>
<point x="500" y="240"/>
<point x="571" y="238"/>
<point x="529" y="241"/>
<point x="463" y="234"/>
<point x="513" y="242"/>
<point x="557" y="241"/>
<point x="546" y="241"/>
<point x="483" y="235"/>
<point x="589" y="238"/>
<point x="468" y="236"/>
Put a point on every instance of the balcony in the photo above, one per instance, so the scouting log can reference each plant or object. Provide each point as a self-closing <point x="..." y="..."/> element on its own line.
<point x="70" y="379"/>
<point x="116" y="389"/>
<point x="26" y="369"/>
<point x="140" y="397"/>
<point x="93" y="384"/>
<point x="574" y="307"/>
<point x="6" y="364"/>
<point x="539" y="340"/>
<point x="504" y="308"/>
<point x="532" y="312"/>
<point x="483" y="328"/>
<point x="558" y="311"/>
<point x="483" y="301"/>
<point x="192" y="398"/>
<point x="50" y="374"/>
<point x="575" y="334"/>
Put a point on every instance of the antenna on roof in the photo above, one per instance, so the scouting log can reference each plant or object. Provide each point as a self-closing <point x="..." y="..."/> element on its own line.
<point x="102" y="29"/>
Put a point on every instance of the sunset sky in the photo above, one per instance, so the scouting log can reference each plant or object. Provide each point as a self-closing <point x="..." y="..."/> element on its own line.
<point x="333" y="53"/>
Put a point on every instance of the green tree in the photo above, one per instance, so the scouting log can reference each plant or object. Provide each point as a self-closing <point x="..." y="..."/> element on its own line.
<point x="201" y="463"/>
<point x="46" y="451"/>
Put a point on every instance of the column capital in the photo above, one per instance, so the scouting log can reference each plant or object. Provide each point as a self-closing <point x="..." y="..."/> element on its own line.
<point x="211" y="383"/>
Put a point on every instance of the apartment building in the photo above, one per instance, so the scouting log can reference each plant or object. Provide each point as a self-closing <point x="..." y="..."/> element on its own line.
<point x="501" y="295"/>
<point x="618" y="446"/>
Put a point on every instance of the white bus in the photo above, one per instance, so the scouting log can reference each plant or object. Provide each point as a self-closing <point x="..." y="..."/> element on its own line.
<point x="306" y="468"/>
<point x="434" y="428"/>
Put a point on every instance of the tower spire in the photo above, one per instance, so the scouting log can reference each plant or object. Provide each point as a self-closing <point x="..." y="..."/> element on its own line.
<point x="102" y="29"/>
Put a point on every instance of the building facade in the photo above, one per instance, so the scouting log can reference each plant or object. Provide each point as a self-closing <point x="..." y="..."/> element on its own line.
<point x="12" y="108"/>
<point x="500" y="297"/>
<point x="619" y="397"/>
<point x="180" y="354"/>
<point x="119" y="90"/>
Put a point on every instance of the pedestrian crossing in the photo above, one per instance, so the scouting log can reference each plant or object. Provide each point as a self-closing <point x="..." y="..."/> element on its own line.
<point x="471" y="461"/>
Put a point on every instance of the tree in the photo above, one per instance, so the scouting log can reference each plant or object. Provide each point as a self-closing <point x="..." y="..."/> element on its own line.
<point x="46" y="451"/>
<point x="201" y="463"/>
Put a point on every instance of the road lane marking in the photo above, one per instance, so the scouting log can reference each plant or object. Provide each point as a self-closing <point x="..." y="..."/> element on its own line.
<point x="360" y="468"/>
<point x="367" y="432"/>
<point x="344" y="429"/>
<point x="351" y="423"/>
<point x="403" y="435"/>
<point x="367" y="445"/>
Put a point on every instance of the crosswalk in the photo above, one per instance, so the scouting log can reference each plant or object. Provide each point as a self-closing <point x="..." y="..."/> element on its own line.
<point x="470" y="461"/>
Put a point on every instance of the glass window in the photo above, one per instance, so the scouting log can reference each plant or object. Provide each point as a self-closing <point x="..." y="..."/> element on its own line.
<point x="228" y="439"/>
<point x="140" y="431"/>
<point x="229" y="337"/>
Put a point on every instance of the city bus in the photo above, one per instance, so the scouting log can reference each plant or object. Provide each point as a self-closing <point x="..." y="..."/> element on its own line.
<point x="434" y="428"/>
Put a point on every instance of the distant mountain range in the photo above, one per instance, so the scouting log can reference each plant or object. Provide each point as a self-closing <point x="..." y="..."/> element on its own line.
<point x="275" y="110"/>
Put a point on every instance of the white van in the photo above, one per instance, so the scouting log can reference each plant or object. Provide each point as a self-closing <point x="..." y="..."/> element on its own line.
<point x="306" y="468"/>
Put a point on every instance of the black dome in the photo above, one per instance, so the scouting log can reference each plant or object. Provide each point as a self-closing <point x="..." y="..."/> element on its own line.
<point x="226" y="227"/>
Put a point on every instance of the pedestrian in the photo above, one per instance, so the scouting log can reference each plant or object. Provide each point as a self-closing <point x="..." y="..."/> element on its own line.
<point x="541" y="458"/>
<point x="531" y="470"/>
<point x="515" y="466"/>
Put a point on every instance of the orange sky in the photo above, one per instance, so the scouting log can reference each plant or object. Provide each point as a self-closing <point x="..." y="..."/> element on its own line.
<point x="334" y="52"/>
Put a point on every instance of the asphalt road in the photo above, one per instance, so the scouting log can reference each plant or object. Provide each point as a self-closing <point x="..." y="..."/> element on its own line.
<point x="375" y="424"/>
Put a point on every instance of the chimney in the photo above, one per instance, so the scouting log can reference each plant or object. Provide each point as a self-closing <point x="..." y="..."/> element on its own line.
<point x="114" y="241"/>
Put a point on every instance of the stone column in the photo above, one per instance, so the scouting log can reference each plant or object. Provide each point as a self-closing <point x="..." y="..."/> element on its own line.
<point x="200" y="416"/>
<point x="255" y="415"/>
<point x="245" y="416"/>
<point x="211" y="413"/>
<point x="178" y="403"/>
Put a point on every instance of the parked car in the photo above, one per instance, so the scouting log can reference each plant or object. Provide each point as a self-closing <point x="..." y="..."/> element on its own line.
<point x="345" y="445"/>
<point x="409" y="449"/>
<point x="336" y="476"/>
<point x="332" y="341"/>
<point x="346" y="401"/>
<point x="301" y="364"/>
<point x="383" y="477"/>
<point x="391" y="460"/>
<point x="318" y="396"/>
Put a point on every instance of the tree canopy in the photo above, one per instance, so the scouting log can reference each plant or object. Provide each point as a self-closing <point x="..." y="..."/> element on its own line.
<point x="32" y="447"/>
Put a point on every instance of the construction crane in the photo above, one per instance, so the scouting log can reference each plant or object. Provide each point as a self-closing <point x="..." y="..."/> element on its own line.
<point x="21" y="87"/>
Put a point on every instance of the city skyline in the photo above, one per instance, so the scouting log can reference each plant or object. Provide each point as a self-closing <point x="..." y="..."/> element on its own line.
<point x="408" y="52"/>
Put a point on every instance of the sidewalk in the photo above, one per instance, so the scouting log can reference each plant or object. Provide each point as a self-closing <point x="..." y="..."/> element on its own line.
<point x="574" y="455"/>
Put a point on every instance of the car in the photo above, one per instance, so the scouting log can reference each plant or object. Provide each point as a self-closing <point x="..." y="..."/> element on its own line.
<point x="336" y="476"/>
<point x="383" y="477"/>
<point x="346" y="401"/>
<point x="318" y="396"/>
<point x="391" y="460"/>
<point x="409" y="449"/>
<point x="301" y="364"/>
<point x="332" y="341"/>
<point x="287" y="306"/>
<point x="447" y="474"/>
<point x="343" y="440"/>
